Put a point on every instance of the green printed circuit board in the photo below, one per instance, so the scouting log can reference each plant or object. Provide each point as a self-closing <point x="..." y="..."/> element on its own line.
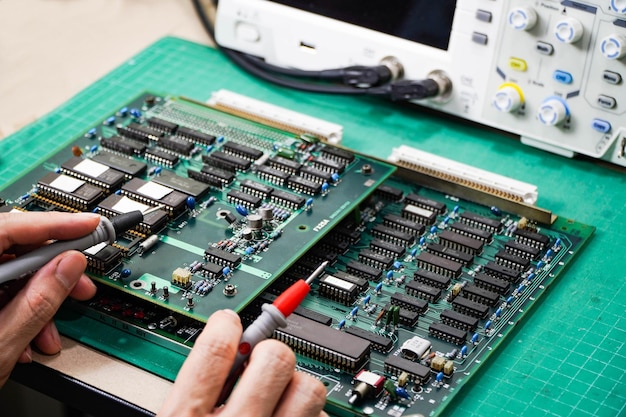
<point x="421" y="285"/>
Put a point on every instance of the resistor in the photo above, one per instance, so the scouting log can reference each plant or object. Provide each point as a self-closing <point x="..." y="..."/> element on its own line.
<point x="370" y="308"/>
<point x="209" y="202"/>
<point x="196" y="267"/>
<point x="455" y="211"/>
<point x="380" y="316"/>
<point x="400" y="280"/>
<point x="530" y="276"/>
<point x="452" y="354"/>
<point x="209" y="148"/>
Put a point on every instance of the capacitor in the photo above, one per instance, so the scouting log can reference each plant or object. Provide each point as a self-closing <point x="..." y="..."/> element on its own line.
<point x="367" y="299"/>
<point x="549" y="254"/>
<point x="464" y="351"/>
<point x="230" y="218"/>
<point x="249" y="250"/>
<point x="247" y="233"/>
<point x="397" y="265"/>
<point x="220" y="139"/>
<point x="191" y="203"/>
<point x="540" y="264"/>
<point x="241" y="210"/>
<point x="166" y="292"/>
<point x="379" y="288"/>
<point x="488" y="325"/>
<point x="521" y="288"/>
<point x="123" y="112"/>
<point x="557" y="244"/>
<point x="530" y="276"/>
<point x="153" y="288"/>
<point x="125" y="273"/>
<point x="475" y="338"/>
<point x="190" y="303"/>
<point x="498" y="312"/>
<point x="354" y="312"/>
<point x="509" y="300"/>
<point x="455" y="210"/>
<point x="433" y="230"/>
<point x="266" y="214"/>
<point x="325" y="187"/>
<point x="93" y="149"/>
<point x="209" y="148"/>
<point x="309" y="202"/>
<point x="226" y="270"/>
<point x="91" y="133"/>
<point x="136" y="113"/>
<point x="390" y="275"/>
<point x="422" y="241"/>
<point x="414" y="252"/>
<point x="148" y="244"/>
<point x="110" y="121"/>
<point x="401" y="392"/>
<point x="390" y="388"/>
<point x="341" y="324"/>
<point x="334" y="177"/>
<point x="395" y="311"/>
<point x="446" y="220"/>
<point x="255" y="222"/>
<point x="158" y="170"/>
<point x="439" y="377"/>
<point x="496" y="211"/>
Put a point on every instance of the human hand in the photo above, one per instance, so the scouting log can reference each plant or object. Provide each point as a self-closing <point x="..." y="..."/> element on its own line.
<point x="269" y="386"/>
<point x="28" y="305"/>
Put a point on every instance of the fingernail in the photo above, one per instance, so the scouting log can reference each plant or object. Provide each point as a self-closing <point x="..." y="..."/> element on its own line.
<point x="232" y="314"/>
<point x="55" y="335"/>
<point x="69" y="270"/>
<point x="88" y="215"/>
<point x="27" y="355"/>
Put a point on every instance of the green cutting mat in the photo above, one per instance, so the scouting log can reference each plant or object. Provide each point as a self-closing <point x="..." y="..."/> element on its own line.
<point x="568" y="358"/>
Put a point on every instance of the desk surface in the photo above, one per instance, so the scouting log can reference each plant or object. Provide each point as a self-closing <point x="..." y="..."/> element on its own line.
<point x="567" y="358"/>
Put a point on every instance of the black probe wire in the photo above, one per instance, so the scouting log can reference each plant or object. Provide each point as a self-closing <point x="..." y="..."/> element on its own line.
<point x="253" y="66"/>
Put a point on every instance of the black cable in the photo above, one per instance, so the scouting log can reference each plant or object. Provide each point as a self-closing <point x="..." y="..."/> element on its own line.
<point x="397" y="91"/>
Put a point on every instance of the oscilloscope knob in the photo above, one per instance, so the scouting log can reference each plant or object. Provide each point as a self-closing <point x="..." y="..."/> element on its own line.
<point x="522" y="18"/>
<point x="619" y="6"/>
<point x="613" y="46"/>
<point x="569" y="30"/>
<point x="508" y="98"/>
<point x="553" y="111"/>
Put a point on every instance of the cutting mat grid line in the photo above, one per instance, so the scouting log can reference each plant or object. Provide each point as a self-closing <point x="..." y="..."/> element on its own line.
<point x="566" y="358"/>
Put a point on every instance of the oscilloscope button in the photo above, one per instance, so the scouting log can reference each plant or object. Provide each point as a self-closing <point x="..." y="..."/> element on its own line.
<point x="607" y="102"/>
<point x="553" y="111"/>
<point x="544" y="48"/>
<point x="522" y="18"/>
<point x="618" y="5"/>
<point x="563" y="77"/>
<point x="611" y="77"/>
<point x="569" y="30"/>
<point x="613" y="46"/>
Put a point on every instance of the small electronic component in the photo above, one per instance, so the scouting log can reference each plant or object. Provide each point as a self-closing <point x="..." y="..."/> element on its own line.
<point x="244" y="199"/>
<point x="162" y="125"/>
<point x="439" y="265"/>
<point x="116" y="204"/>
<point x="387" y="248"/>
<point x="286" y="199"/>
<point x="361" y="283"/>
<point x="379" y="343"/>
<point x="332" y="347"/>
<point x="328" y="165"/>
<point x="221" y="257"/>
<point x="94" y="172"/>
<point x="181" y="277"/>
<point x="409" y="303"/>
<point x="189" y="186"/>
<point x="227" y="161"/>
<point x="243" y="151"/>
<point x="426" y="203"/>
<point x="272" y="175"/>
<point x="421" y="290"/>
<point x="155" y="194"/>
<point x="490" y="283"/>
<point x="447" y="333"/>
<point x="302" y="185"/>
<point x="536" y="240"/>
<point x="462" y="243"/>
<point x="472" y="308"/>
<point x="195" y="136"/>
<point x="338" y="154"/>
<point x="224" y="177"/>
<point x="458" y="320"/>
<point x="521" y="250"/>
<point x="480" y="295"/>
<point x="418" y="373"/>
<point x="415" y="348"/>
<point x="138" y="132"/>
<point x="102" y="258"/>
<point x="337" y="289"/>
<point x="390" y="193"/>
<point x="313" y="315"/>
<point x="315" y="174"/>
<point x="366" y="385"/>
<point x="419" y="214"/>
<point x="162" y="157"/>
<point x="503" y="272"/>
<point x="130" y="167"/>
<point x="69" y="191"/>
<point x="361" y="270"/>
<point x="256" y="188"/>
<point x="432" y="278"/>
<point x="391" y="235"/>
<point x="469" y="231"/>
<point x="123" y="145"/>
<point x="409" y="226"/>
<point x="512" y="261"/>
<point x="481" y="222"/>
<point x="176" y="144"/>
<point x="375" y="259"/>
<point x="284" y="164"/>
<point x="211" y="270"/>
<point x="445" y="252"/>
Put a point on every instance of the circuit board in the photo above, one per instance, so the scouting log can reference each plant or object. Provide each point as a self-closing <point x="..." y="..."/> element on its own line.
<point x="421" y="285"/>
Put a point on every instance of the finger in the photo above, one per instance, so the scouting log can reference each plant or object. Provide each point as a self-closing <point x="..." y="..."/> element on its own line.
<point x="26" y="356"/>
<point x="48" y="340"/>
<point x="28" y="312"/>
<point x="269" y="371"/>
<point x="203" y="374"/>
<point x="84" y="289"/>
<point x="305" y="396"/>
<point x="33" y="228"/>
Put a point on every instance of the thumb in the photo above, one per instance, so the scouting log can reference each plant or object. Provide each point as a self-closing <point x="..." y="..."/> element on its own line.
<point x="35" y="305"/>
